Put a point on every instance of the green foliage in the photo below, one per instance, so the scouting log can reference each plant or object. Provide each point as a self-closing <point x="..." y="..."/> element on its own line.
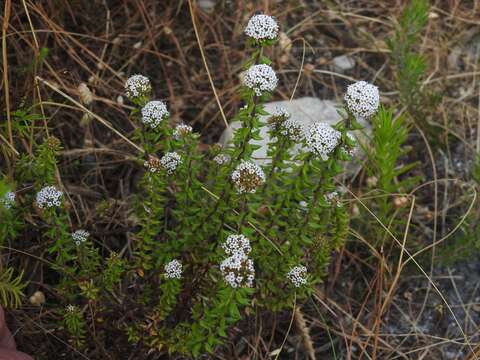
<point x="385" y="166"/>
<point x="476" y="169"/>
<point x="410" y="65"/>
<point x="11" y="223"/>
<point x="388" y="140"/>
<point x="75" y="325"/>
<point x="11" y="288"/>
<point x="188" y="214"/>
<point x="182" y="283"/>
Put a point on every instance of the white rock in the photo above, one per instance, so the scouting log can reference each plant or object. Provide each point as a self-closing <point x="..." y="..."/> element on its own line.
<point x="306" y="111"/>
<point x="206" y="5"/>
<point x="343" y="63"/>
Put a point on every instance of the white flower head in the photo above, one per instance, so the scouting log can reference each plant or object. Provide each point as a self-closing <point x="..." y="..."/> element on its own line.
<point x="222" y="159"/>
<point x="362" y="99"/>
<point x="281" y="112"/>
<point x="297" y="275"/>
<point x="322" y="139"/>
<point x="332" y="198"/>
<point x="181" y="131"/>
<point x="80" y="236"/>
<point x="238" y="270"/>
<point x="71" y="308"/>
<point x="137" y="86"/>
<point x="281" y="122"/>
<point x="237" y="244"/>
<point x="154" y="112"/>
<point x="170" y="161"/>
<point x="247" y="177"/>
<point x="173" y="270"/>
<point x="292" y="129"/>
<point x="49" y="197"/>
<point x="8" y="200"/>
<point x="262" y="27"/>
<point x="260" y="78"/>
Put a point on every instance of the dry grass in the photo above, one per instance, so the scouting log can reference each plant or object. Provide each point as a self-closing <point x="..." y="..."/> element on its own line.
<point x="376" y="302"/>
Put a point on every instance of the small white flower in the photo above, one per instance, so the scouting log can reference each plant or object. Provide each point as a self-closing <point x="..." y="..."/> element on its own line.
<point x="154" y="113"/>
<point x="8" y="200"/>
<point x="181" y="131"/>
<point x="71" y="308"/>
<point x="237" y="244"/>
<point x="362" y="99"/>
<point x="322" y="139"/>
<point x="137" y="86"/>
<point x="281" y="112"/>
<point x="247" y="177"/>
<point x="260" y="78"/>
<point x="238" y="270"/>
<point x="49" y="197"/>
<point x="80" y="236"/>
<point x="262" y="27"/>
<point x="282" y="122"/>
<point x="221" y="159"/>
<point x="292" y="129"/>
<point x="173" y="270"/>
<point x="297" y="275"/>
<point x="170" y="161"/>
<point x="332" y="198"/>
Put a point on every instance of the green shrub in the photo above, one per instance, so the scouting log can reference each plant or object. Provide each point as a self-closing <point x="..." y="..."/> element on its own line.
<point x="216" y="233"/>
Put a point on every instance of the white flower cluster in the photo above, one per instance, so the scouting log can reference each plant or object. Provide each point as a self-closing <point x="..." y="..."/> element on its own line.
<point x="137" y="86"/>
<point x="262" y="27"/>
<point x="281" y="112"/>
<point x="322" y="139"/>
<point x="247" y="177"/>
<point x="362" y="99"/>
<point x="221" y="159"/>
<point x="297" y="275"/>
<point x="49" y="197"/>
<point x="170" y="161"/>
<point x="237" y="244"/>
<point x="332" y="198"/>
<point x="260" y="78"/>
<point x="237" y="269"/>
<point x="153" y="113"/>
<point x="181" y="131"/>
<point x="80" y="236"/>
<point x="280" y="121"/>
<point x="8" y="200"/>
<point x="292" y="129"/>
<point x="173" y="270"/>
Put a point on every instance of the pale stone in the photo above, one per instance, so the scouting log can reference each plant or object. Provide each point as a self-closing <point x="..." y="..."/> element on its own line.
<point x="206" y="5"/>
<point x="306" y="111"/>
<point x="343" y="63"/>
